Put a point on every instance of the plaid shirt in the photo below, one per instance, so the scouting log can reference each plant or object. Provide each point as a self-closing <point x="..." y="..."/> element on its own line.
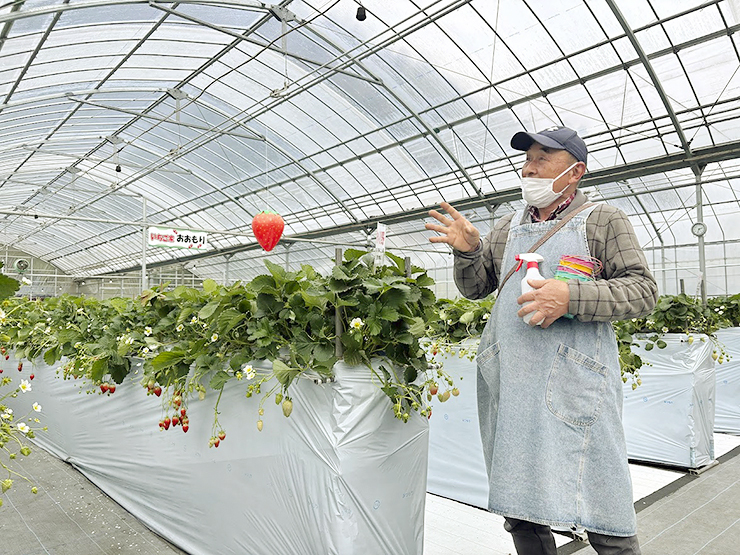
<point x="624" y="289"/>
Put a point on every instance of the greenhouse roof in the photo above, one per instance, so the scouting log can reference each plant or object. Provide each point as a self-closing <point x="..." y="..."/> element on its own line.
<point x="199" y="114"/>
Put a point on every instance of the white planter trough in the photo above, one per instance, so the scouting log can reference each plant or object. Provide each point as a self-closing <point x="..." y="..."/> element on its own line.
<point x="727" y="411"/>
<point x="669" y="419"/>
<point x="456" y="466"/>
<point x="341" y="476"/>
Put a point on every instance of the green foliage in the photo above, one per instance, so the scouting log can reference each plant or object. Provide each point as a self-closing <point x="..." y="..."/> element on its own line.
<point x="192" y="341"/>
<point x="14" y="428"/>
<point x="459" y="319"/>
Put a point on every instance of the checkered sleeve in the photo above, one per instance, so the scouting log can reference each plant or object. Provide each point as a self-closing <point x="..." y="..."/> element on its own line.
<point x="625" y="288"/>
<point x="477" y="272"/>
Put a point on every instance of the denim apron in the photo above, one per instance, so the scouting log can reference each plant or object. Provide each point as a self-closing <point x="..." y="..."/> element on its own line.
<point x="550" y="405"/>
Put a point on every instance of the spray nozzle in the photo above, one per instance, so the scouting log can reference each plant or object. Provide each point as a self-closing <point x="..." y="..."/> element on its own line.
<point x="531" y="258"/>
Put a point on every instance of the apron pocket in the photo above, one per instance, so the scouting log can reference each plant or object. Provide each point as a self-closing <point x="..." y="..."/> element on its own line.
<point x="575" y="387"/>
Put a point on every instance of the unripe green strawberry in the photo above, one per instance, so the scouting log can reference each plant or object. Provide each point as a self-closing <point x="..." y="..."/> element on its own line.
<point x="278" y="398"/>
<point x="287" y="407"/>
<point x="259" y="425"/>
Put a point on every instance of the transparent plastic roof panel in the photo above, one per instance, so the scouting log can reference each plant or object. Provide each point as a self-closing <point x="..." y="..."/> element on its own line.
<point x="118" y="115"/>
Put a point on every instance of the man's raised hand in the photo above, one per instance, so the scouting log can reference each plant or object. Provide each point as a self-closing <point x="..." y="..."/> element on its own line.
<point x="457" y="232"/>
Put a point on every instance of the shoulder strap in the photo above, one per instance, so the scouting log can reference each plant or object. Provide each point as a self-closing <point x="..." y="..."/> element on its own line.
<point x="544" y="238"/>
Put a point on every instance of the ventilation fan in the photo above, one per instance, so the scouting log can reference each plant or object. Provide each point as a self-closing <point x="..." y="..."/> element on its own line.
<point x="21" y="265"/>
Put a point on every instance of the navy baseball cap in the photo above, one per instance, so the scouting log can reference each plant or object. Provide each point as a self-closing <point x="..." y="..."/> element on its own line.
<point x="560" y="138"/>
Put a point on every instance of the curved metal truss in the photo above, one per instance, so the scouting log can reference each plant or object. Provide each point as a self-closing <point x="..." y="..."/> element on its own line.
<point x="198" y="114"/>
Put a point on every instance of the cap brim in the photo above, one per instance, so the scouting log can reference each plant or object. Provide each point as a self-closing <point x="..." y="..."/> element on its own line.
<point x="523" y="140"/>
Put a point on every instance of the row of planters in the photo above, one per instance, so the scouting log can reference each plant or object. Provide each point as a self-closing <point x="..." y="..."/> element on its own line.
<point x="183" y="395"/>
<point x="357" y="361"/>
<point x="678" y="365"/>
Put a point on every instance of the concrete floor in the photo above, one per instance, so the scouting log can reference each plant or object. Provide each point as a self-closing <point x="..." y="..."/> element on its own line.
<point x="691" y="515"/>
<point x="695" y="515"/>
<point x="69" y="515"/>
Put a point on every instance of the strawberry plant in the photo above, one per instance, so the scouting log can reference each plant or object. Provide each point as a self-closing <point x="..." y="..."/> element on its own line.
<point x="191" y="342"/>
<point x="14" y="428"/>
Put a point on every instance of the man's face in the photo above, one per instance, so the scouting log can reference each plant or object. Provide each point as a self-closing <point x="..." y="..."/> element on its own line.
<point x="548" y="163"/>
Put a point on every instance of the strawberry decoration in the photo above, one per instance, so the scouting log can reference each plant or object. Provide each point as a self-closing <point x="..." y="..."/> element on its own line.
<point x="268" y="228"/>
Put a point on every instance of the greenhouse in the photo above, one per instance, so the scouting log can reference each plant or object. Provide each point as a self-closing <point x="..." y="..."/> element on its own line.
<point x="215" y="219"/>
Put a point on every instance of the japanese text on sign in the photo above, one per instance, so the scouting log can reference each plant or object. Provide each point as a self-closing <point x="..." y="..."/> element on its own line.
<point x="177" y="238"/>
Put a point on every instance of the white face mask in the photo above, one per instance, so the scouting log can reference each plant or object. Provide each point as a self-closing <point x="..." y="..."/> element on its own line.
<point x="537" y="191"/>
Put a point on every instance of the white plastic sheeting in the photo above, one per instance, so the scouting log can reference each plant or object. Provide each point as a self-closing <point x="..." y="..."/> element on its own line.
<point x="727" y="408"/>
<point x="456" y="466"/>
<point x="340" y="476"/>
<point x="669" y="419"/>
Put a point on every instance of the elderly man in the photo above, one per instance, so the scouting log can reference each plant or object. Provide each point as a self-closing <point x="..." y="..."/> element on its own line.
<point x="550" y="391"/>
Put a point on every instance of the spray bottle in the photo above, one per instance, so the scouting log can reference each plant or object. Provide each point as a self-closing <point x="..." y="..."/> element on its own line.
<point x="533" y="272"/>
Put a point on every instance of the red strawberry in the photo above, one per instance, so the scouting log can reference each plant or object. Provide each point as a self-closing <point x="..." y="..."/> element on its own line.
<point x="1" y="370"/>
<point x="158" y="391"/>
<point x="175" y="420"/>
<point x="222" y="435"/>
<point x="7" y="357"/>
<point x="20" y="366"/>
<point x="183" y="412"/>
<point x="104" y="387"/>
<point x="112" y="388"/>
<point x="185" y="427"/>
<point x="31" y="376"/>
<point x="268" y="228"/>
<point x="216" y="443"/>
<point x="166" y="423"/>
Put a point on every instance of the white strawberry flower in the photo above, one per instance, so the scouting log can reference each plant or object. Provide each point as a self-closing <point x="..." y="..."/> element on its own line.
<point x="194" y="320"/>
<point x="214" y="337"/>
<point x="8" y="414"/>
<point x="356" y="323"/>
<point x="147" y="331"/>
<point x="37" y="407"/>
<point x="23" y="427"/>
<point x="25" y="386"/>
<point x="3" y="317"/>
<point x="485" y="316"/>
<point x="179" y="327"/>
<point x="145" y="350"/>
<point x="249" y="372"/>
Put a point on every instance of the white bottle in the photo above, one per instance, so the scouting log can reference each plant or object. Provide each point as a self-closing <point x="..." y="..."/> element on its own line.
<point x="533" y="272"/>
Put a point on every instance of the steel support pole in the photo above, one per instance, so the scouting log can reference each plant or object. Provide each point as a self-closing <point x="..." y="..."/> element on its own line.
<point x="702" y="254"/>
<point x="144" y="284"/>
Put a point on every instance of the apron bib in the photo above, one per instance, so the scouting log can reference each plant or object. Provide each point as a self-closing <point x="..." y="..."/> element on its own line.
<point x="550" y="405"/>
